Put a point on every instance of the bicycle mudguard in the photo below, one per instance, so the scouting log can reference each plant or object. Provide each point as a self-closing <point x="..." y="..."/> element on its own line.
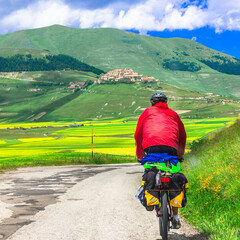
<point x="163" y="167"/>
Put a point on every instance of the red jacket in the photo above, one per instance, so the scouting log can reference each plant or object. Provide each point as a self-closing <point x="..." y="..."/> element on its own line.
<point x="159" y="125"/>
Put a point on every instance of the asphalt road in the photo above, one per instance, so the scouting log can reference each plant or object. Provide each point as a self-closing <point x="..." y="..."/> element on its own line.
<point x="78" y="203"/>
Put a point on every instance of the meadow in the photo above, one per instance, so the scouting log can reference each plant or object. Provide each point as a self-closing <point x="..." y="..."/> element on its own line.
<point x="46" y="141"/>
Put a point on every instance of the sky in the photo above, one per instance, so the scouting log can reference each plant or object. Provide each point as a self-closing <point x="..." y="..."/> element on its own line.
<point x="214" y="23"/>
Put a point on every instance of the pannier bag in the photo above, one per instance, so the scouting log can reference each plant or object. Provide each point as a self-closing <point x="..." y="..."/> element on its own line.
<point x="147" y="197"/>
<point x="179" y="185"/>
<point x="148" y="181"/>
<point x="152" y="198"/>
<point x="177" y="199"/>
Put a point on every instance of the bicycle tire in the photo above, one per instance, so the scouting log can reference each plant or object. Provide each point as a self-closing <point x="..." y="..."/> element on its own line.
<point x="163" y="216"/>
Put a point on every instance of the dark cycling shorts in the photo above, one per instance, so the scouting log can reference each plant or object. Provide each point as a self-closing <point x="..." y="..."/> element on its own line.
<point x="161" y="149"/>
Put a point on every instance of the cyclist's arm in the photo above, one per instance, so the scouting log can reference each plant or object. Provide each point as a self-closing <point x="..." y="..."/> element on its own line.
<point x="182" y="138"/>
<point x="138" y="136"/>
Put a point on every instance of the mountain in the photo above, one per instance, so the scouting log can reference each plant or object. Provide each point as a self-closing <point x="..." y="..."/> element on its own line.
<point x="180" y="62"/>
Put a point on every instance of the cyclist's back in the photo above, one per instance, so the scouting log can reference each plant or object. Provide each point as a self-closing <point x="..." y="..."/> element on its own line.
<point x="160" y="130"/>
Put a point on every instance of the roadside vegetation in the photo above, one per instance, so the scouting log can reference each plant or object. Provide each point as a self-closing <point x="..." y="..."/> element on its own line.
<point x="64" y="158"/>
<point x="213" y="171"/>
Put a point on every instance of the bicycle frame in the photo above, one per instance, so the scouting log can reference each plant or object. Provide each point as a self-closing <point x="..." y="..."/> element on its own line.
<point x="164" y="211"/>
<point x="169" y="206"/>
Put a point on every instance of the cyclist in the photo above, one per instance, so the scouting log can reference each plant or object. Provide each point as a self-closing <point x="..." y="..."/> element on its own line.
<point x="160" y="130"/>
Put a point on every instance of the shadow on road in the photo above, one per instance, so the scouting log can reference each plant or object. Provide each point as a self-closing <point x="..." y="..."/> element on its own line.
<point x="176" y="236"/>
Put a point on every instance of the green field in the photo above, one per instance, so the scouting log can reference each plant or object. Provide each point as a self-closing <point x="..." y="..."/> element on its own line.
<point x="23" y="140"/>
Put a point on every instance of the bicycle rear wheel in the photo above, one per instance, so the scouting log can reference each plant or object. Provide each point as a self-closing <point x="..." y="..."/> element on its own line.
<point x="163" y="216"/>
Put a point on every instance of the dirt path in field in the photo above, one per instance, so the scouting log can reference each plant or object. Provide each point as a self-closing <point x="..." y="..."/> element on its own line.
<point x="78" y="203"/>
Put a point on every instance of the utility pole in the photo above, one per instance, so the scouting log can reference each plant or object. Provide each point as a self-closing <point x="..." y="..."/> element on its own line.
<point x="92" y="143"/>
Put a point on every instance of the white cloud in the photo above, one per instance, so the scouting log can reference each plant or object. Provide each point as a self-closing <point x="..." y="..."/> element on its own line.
<point x="40" y="14"/>
<point x="224" y="15"/>
<point x="151" y="15"/>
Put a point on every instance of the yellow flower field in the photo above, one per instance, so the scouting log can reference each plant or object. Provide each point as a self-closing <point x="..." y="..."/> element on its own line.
<point x="110" y="137"/>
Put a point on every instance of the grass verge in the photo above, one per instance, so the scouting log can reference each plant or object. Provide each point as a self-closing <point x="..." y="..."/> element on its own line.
<point x="213" y="170"/>
<point x="63" y="158"/>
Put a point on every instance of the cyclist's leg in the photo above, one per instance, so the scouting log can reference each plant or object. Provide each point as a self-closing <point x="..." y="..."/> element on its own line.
<point x="175" y="210"/>
<point x="176" y="222"/>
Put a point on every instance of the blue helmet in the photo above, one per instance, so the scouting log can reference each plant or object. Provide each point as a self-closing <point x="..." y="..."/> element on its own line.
<point x="158" y="97"/>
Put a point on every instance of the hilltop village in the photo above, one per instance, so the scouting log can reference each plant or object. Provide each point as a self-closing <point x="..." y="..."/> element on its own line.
<point x="126" y="74"/>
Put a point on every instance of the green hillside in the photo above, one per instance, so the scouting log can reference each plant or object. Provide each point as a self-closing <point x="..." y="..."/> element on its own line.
<point x="25" y="95"/>
<point x="177" y="61"/>
<point x="213" y="169"/>
<point x="106" y="101"/>
<point x="45" y="96"/>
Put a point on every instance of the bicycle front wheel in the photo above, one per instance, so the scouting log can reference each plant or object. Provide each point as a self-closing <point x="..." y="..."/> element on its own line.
<point x="163" y="216"/>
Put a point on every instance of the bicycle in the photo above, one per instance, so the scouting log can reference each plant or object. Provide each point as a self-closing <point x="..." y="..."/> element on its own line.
<point x="164" y="210"/>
